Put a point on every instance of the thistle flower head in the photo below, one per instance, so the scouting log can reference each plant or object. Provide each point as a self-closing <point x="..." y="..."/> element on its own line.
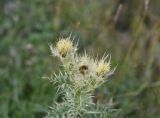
<point x="103" y="67"/>
<point x="82" y="70"/>
<point x="86" y="65"/>
<point x="63" y="48"/>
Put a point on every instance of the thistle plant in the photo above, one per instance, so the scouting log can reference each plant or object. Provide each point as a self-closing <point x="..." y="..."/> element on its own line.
<point x="79" y="77"/>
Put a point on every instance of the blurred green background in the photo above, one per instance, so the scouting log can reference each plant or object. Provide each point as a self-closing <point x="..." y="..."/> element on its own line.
<point x="127" y="29"/>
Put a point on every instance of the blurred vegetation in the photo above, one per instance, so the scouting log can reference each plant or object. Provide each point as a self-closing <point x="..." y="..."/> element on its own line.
<point x="127" y="29"/>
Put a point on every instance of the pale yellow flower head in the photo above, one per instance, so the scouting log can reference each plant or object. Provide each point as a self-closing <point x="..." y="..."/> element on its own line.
<point x="86" y="65"/>
<point x="64" y="46"/>
<point x="103" y="68"/>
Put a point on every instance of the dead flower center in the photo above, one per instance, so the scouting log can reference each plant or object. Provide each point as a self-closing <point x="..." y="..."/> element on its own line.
<point x="83" y="69"/>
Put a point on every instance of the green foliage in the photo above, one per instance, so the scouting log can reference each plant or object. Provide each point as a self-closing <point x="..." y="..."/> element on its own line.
<point x="128" y="29"/>
<point x="76" y="103"/>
